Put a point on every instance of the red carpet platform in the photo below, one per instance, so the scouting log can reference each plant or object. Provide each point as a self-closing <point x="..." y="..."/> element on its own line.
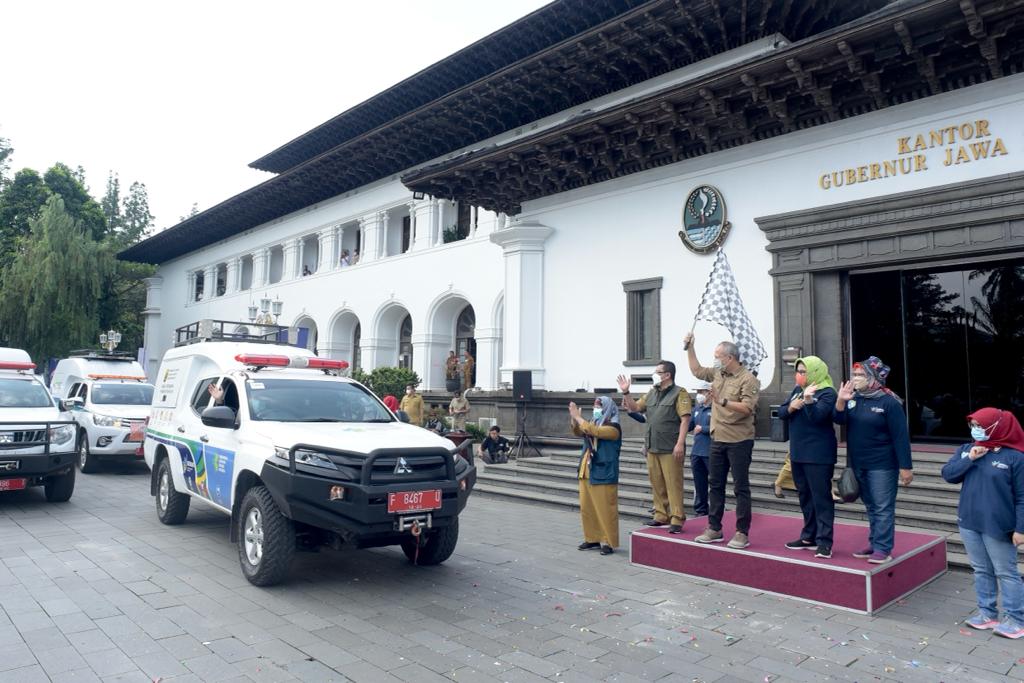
<point x="768" y="566"/>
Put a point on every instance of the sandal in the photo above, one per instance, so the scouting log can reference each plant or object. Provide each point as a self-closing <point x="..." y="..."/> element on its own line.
<point x="778" y="492"/>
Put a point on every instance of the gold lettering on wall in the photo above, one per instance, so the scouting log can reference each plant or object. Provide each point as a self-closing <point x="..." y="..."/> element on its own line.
<point x="963" y="143"/>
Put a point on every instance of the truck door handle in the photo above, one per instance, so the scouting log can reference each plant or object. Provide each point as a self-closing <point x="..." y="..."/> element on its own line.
<point x="181" y="430"/>
<point x="204" y="438"/>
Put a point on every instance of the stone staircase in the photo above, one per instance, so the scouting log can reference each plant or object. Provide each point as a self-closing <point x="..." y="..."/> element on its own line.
<point x="928" y="504"/>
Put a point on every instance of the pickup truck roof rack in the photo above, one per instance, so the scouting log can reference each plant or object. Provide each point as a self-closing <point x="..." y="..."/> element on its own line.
<point x="234" y="331"/>
<point x="92" y="354"/>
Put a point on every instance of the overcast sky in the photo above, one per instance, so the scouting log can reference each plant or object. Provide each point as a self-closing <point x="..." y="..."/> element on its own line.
<point x="183" y="95"/>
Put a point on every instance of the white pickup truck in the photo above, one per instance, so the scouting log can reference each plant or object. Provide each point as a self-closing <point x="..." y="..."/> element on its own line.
<point x="298" y="456"/>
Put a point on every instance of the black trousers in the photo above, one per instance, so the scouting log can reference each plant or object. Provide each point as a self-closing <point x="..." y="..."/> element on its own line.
<point x="726" y="457"/>
<point x="814" y="487"/>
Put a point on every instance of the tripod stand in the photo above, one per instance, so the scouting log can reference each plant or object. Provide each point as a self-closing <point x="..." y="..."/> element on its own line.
<point x="523" y="441"/>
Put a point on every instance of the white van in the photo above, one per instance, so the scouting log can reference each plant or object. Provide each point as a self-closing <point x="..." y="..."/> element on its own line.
<point x="298" y="456"/>
<point x="37" y="438"/>
<point x="109" y="398"/>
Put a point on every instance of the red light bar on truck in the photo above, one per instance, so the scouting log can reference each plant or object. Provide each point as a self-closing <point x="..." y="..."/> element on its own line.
<point x="16" y="365"/>
<point x="275" y="361"/>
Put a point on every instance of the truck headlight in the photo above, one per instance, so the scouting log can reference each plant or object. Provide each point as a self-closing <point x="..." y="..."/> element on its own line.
<point x="305" y="457"/>
<point x="106" y="421"/>
<point x="61" y="434"/>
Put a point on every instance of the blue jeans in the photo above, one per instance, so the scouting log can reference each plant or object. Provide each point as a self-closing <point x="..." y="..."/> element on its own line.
<point x="699" y="465"/>
<point x="878" y="491"/>
<point x="994" y="561"/>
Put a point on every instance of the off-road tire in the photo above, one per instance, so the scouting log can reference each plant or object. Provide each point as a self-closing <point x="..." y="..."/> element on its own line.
<point x="171" y="506"/>
<point x="87" y="462"/>
<point x="276" y="540"/>
<point x="438" y="546"/>
<point x="59" y="488"/>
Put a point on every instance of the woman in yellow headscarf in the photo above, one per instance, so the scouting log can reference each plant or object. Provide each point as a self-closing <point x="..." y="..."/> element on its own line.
<point x="812" y="452"/>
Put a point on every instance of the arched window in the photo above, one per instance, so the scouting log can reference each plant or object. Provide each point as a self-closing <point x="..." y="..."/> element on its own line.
<point x="405" y="344"/>
<point x="465" y="333"/>
<point x="357" y="356"/>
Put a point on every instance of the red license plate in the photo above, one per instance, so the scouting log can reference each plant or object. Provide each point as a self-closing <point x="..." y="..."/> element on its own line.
<point x="137" y="433"/>
<point x="414" y="501"/>
<point x="12" y="484"/>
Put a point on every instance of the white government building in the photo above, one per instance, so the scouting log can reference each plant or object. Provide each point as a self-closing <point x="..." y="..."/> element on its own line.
<point x="523" y="199"/>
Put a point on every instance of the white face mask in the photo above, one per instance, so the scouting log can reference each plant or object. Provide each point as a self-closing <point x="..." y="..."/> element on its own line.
<point x="717" y="364"/>
<point x="656" y="378"/>
<point x="701" y="398"/>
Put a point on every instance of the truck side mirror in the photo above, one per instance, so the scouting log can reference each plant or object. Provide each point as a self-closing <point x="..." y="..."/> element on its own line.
<point x="402" y="416"/>
<point x="220" y="417"/>
<point x="71" y="403"/>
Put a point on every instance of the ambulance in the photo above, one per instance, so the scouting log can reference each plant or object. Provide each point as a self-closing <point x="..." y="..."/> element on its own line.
<point x="298" y="456"/>
<point x="109" y="398"/>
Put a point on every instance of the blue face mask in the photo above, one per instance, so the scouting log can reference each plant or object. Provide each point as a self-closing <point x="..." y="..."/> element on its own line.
<point x="978" y="433"/>
<point x="597" y="414"/>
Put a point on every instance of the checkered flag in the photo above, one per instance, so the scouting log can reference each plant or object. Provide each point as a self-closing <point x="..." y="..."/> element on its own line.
<point x="722" y="304"/>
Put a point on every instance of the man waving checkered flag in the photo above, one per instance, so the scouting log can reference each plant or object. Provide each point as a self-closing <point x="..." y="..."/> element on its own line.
<point x="722" y="304"/>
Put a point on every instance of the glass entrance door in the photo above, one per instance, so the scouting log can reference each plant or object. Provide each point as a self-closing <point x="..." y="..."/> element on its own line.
<point x="954" y="338"/>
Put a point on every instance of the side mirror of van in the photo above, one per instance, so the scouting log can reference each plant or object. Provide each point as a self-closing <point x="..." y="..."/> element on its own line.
<point x="72" y="403"/>
<point x="221" y="417"/>
<point x="402" y="416"/>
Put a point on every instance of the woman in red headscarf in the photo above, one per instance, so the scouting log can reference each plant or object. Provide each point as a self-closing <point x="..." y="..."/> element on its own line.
<point x="391" y="402"/>
<point x="991" y="515"/>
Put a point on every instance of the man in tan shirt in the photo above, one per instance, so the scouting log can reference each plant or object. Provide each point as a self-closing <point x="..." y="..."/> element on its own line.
<point x="733" y="397"/>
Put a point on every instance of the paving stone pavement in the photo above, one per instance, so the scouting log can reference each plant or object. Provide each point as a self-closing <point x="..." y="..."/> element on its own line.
<point x="97" y="589"/>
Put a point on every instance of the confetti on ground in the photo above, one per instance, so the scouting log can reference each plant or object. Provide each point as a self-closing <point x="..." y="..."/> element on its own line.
<point x="683" y="630"/>
<point x="914" y="663"/>
<point x="890" y="670"/>
<point x="964" y="632"/>
<point x="864" y="636"/>
<point x="559" y="608"/>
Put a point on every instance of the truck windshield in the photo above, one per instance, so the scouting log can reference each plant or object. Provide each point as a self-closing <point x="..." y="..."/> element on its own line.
<point x="291" y="400"/>
<point x="122" y="394"/>
<point x="23" y="393"/>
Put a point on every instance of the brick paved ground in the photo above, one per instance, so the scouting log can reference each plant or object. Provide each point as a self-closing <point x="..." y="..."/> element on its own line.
<point x="97" y="589"/>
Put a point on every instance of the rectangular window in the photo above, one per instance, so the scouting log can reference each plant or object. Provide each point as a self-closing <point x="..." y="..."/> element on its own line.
<point x="643" y="321"/>
<point x="406" y="233"/>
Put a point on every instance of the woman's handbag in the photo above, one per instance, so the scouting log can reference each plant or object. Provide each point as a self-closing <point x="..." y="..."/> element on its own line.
<point x="849" y="489"/>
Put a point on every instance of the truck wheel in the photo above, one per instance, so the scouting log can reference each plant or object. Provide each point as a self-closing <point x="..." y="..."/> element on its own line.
<point x="59" y="489"/>
<point x="87" y="462"/>
<point x="437" y="547"/>
<point x="171" y="506"/>
<point x="266" y="538"/>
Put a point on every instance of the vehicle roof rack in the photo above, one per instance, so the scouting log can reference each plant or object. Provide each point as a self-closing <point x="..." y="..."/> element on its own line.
<point x="93" y="354"/>
<point x="235" y="331"/>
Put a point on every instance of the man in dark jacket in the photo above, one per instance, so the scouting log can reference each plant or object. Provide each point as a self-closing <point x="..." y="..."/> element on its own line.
<point x="700" y="427"/>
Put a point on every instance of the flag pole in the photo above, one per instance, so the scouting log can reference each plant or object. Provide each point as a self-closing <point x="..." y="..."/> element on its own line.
<point x="718" y="250"/>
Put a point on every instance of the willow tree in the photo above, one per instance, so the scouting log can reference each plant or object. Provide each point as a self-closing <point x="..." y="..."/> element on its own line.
<point x="51" y="290"/>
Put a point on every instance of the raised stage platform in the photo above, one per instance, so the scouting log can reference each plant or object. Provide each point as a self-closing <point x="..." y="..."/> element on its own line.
<point x="768" y="566"/>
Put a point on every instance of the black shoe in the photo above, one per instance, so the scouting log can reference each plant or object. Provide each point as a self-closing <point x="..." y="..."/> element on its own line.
<point x="800" y="544"/>
<point x="824" y="552"/>
<point x="607" y="550"/>
<point x="588" y="546"/>
<point x="654" y="522"/>
<point x="675" y="528"/>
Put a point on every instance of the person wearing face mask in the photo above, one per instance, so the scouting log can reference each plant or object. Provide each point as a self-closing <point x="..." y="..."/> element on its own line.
<point x="990" y="470"/>
<point x="412" y="404"/>
<point x="667" y="409"/>
<point x="733" y="396"/>
<point x="598" y="474"/>
<point x="700" y="427"/>
<point x="812" y="452"/>
<point x="878" y="450"/>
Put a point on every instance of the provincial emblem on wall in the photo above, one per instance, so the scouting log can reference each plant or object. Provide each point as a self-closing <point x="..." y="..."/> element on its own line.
<point x="704" y="223"/>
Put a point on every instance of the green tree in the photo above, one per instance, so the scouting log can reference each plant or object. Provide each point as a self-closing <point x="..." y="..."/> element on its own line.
<point x="52" y="290"/>
<point x="20" y="201"/>
<point x="137" y="219"/>
<point x="6" y="152"/>
<point x="111" y="202"/>
<point x="77" y="201"/>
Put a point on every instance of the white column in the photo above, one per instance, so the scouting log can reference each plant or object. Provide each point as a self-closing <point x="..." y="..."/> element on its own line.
<point x="423" y="224"/>
<point x="209" y="282"/>
<point x="300" y="243"/>
<point x="259" y="268"/>
<point x="439" y="234"/>
<point x="382" y="232"/>
<point x="421" y="361"/>
<point x="378" y="352"/>
<point x="488" y="341"/>
<point x="190" y="286"/>
<point x="368" y="241"/>
<point x="523" y="247"/>
<point x="289" y="250"/>
<point x="153" y="347"/>
<point x="326" y="259"/>
<point x="234" y="276"/>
